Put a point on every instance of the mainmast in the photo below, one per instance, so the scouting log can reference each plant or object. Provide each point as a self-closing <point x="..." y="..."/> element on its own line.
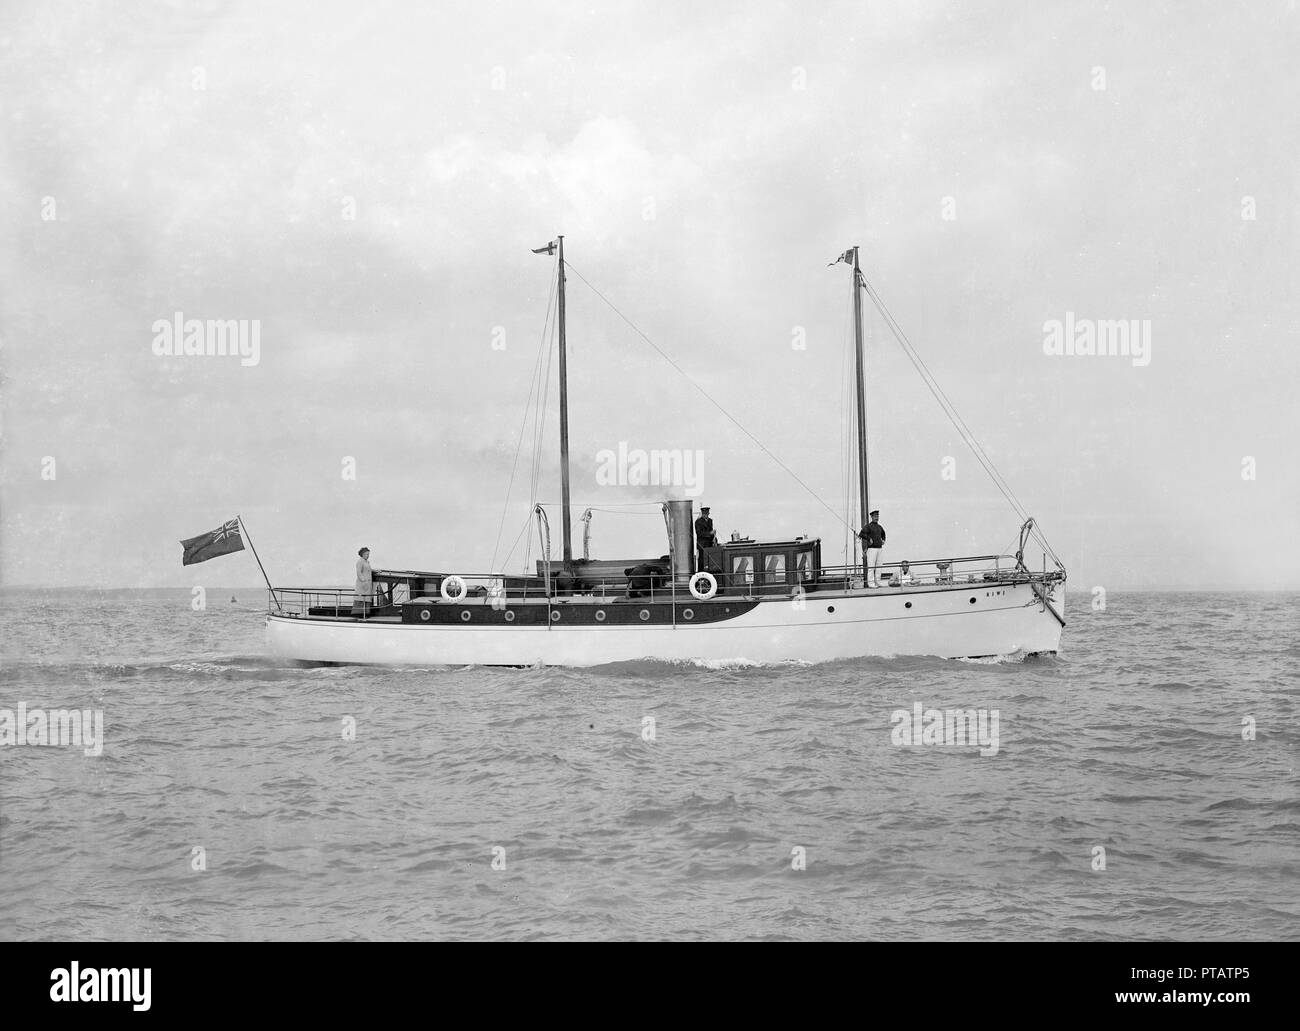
<point x="564" y="426"/>
<point x="861" y="381"/>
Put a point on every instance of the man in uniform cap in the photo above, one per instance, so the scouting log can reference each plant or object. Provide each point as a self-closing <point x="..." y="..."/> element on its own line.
<point x="873" y="539"/>
<point x="704" y="536"/>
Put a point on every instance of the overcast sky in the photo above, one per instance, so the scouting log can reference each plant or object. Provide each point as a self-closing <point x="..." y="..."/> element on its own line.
<point x="367" y="180"/>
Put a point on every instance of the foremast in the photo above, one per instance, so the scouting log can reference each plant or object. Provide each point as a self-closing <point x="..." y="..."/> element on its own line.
<point x="557" y="245"/>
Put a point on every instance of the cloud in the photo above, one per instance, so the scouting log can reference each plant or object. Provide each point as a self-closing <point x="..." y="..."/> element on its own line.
<point x="367" y="183"/>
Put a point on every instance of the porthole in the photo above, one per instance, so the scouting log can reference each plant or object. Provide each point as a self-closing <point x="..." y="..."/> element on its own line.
<point x="907" y="605"/>
<point x="555" y="615"/>
<point x="600" y="615"/>
<point x="645" y="613"/>
<point x="426" y="615"/>
<point x="972" y="601"/>
<point x="464" y="615"/>
<point x="688" y="613"/>
<point x="830" y="608"/>
<point x="510" y="616"/>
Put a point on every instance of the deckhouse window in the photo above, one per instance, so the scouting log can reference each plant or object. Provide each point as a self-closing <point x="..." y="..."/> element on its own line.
<point x="803" y="564"/>
<point x="742" y="569"/>
<point x="774" y="569"/>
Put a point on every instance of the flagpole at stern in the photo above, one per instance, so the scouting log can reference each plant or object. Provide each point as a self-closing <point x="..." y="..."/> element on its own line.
<point x="253" y="548"/>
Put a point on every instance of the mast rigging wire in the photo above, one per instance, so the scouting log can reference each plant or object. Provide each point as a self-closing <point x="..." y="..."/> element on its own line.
<point x="909" y="350"/>
<point x="523" y="423"/>
<point x="707" y="396"/>
<point x="950" y="410"/>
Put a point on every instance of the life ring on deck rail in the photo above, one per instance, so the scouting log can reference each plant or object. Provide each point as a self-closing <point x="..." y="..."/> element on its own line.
<point x="707" y="578"/>
<point x="456" y="581"/>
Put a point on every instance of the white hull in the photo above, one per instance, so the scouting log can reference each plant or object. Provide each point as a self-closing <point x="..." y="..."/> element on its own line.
<point x="1004" y="619"/>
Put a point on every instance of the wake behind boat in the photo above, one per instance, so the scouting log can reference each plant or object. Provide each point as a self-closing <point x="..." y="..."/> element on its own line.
<point x="698" y="599"/>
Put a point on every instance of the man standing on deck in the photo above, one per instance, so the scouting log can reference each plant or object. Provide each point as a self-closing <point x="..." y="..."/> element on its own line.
<point x="364" y="592"/>
<point x="873" y="539"/>
<point x="704" y="537"/>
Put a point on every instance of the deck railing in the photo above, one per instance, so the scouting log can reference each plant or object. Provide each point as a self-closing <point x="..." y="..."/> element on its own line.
<point x="966" y="569"/>
<point x="489" y="588"/>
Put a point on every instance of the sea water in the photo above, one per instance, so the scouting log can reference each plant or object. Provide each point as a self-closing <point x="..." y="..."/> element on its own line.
<point x="1143" y="786"/>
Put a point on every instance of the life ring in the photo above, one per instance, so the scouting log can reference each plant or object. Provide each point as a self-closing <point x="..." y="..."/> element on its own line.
<point x="453" y="580"/>
<point x="713" y="586"/>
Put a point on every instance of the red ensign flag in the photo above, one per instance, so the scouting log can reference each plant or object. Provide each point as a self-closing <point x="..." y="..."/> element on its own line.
<point x="221" y="541"/>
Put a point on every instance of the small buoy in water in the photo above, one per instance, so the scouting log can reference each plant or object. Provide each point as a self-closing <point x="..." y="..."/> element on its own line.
<point x="232" y="599"/>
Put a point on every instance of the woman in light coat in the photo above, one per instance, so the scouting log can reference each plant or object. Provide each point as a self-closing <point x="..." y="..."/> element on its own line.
<point x="364" y="593"/>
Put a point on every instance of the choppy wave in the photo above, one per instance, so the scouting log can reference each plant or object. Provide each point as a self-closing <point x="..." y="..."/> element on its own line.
<point x="654" y="799"/>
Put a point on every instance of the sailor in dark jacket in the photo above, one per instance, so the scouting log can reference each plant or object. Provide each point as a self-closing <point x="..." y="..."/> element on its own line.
<point x="873" y="539"/>
<point x="704" y="536"/>
<point x="645" y="578"/>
